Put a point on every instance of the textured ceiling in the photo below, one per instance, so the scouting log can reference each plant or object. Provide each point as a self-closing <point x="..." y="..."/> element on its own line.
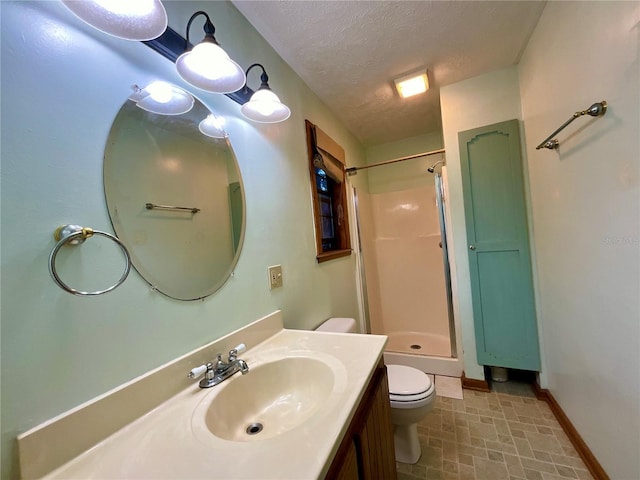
<point x="349" y="52"/>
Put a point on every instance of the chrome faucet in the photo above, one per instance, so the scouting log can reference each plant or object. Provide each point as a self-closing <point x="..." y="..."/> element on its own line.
<point x="218" y="372"/>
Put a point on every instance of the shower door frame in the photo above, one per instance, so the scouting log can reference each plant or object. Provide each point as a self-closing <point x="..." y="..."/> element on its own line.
<point x="439" y="181"/>
<point x="361" y="279"/>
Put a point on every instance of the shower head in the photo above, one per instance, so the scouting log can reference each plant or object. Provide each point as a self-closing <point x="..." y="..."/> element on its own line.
<point x="432" y="168"/>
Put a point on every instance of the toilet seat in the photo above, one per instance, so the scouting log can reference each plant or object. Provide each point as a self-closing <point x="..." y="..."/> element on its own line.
<point x="408" y="386"/>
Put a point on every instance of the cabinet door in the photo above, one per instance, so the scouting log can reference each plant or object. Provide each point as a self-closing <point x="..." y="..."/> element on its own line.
<point x="498" y="240"/>
<point x="374" y="440"/>
<point x="348" y="470"/>
<point x="367" y="451"/>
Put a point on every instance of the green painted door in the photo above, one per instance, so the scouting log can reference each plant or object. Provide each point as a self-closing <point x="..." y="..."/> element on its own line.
<point x="498" y="243"/>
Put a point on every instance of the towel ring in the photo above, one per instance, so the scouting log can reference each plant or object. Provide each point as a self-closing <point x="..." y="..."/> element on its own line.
<point x="75" y="235"/>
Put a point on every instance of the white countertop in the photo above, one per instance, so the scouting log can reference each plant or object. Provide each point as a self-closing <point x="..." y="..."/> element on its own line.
<point x="172" y="440"/>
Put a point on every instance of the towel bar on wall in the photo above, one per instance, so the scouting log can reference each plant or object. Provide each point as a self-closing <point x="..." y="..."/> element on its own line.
<point x="152" y="206"/>
<point x="595" y="110"/>
<point x="75" y="235"/>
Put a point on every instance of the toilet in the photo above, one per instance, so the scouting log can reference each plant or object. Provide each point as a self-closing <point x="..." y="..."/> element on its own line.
<point x="411" y="394"/>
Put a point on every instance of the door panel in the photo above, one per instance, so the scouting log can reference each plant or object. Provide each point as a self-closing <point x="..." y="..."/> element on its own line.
<point x="492" y="188"/>
<point x="499" y="258"/>
<point x="505" y="334"/>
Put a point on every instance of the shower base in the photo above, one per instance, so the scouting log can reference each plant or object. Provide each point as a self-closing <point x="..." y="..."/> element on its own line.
<point x="434" y="353"/>
<point x="419" y="343"/>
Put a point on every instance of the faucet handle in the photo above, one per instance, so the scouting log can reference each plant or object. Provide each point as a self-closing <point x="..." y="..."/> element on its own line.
<point x="196" y="372"/>
<point x="238" y="349"/>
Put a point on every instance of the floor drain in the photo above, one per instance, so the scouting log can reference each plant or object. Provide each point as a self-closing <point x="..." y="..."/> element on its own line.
<point x="254" y="428"/>
<point x="415" y="347"/>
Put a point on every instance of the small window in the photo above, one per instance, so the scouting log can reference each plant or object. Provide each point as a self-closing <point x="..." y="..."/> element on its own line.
<point x="326" y="168"/>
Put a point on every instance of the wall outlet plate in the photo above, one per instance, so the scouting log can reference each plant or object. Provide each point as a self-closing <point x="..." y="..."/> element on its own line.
<point x="275" y="277"/>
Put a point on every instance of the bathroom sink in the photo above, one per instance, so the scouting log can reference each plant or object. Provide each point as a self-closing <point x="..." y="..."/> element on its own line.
<point x="271" y="399"/>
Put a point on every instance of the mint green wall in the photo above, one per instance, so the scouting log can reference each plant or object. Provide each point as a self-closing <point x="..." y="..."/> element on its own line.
<point x="62" y="85"/>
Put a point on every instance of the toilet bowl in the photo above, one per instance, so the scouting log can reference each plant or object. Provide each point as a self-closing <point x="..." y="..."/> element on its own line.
<point x="411" y="395"/>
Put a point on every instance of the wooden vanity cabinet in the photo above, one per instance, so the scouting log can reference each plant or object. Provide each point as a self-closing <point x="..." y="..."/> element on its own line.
<point x="366" y="451"/>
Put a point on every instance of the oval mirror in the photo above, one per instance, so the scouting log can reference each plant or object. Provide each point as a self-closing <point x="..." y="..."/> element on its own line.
<point x="175" y="199"/>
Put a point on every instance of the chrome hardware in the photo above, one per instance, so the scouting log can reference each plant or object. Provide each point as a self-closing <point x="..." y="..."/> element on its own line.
<point x="472" y="247"/>
<point x="354" y="170"/>
<point x="218" y="372"/>
<point x="73" y="235"/>
<point x="551" y="145"/>
<point x="152" y="206"/>
<point x="596" y="110"/>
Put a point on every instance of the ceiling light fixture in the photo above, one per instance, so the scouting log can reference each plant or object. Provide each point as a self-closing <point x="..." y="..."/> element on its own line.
<point x="207" y="66"/>
<point x="412" y="84"/>
<point x="162" y="98"/>
<point x="264" y="105"/>
<point x="139" y="20"/>
<point x="212" y="126"/>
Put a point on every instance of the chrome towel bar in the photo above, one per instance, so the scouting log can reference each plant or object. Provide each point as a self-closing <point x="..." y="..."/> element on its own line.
<point x="595" y="110"/>
<point x="152" y="206"/>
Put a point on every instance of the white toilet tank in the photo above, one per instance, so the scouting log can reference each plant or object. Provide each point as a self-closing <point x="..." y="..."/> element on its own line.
<point x="339" y="325"/>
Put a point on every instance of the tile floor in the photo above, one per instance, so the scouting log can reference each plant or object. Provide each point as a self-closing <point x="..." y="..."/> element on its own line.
<point x="506" y="434"/>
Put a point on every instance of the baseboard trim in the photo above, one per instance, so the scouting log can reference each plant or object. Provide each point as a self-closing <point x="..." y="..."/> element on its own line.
<point x="473" y="384"/>
<point x="581" y="447"/>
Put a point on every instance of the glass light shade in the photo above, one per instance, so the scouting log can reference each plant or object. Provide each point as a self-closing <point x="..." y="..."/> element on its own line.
<point x="138" y="20"/>
<point x="212" y="126"/>
<point x="163" y="99"/>
<point x="208" y="67"/>
<point x="265" y="107"/>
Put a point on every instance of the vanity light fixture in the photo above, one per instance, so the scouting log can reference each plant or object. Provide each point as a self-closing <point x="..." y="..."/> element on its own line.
<point x="412" y="84"/>
<point x="162" y="98"/>
<point x="138" y="20"/>
<point x="212" y="126"/>
<point x="207" y="66"/>
<point x="264" y="106"/>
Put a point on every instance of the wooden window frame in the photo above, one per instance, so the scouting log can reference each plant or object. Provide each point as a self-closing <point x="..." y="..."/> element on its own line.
<point x="317" y="139"/>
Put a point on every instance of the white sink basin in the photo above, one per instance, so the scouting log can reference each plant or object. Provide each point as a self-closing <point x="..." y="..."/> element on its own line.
<point x="271" y="399"/>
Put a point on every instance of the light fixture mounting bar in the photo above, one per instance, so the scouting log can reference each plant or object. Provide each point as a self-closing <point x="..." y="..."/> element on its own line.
<point x="171" y="45"/>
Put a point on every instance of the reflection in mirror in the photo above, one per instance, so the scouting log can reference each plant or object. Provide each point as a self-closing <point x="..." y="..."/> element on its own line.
<point x="189" y="252"/>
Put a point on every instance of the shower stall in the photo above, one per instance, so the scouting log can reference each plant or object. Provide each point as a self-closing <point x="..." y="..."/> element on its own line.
<point x="402" y="226"/>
